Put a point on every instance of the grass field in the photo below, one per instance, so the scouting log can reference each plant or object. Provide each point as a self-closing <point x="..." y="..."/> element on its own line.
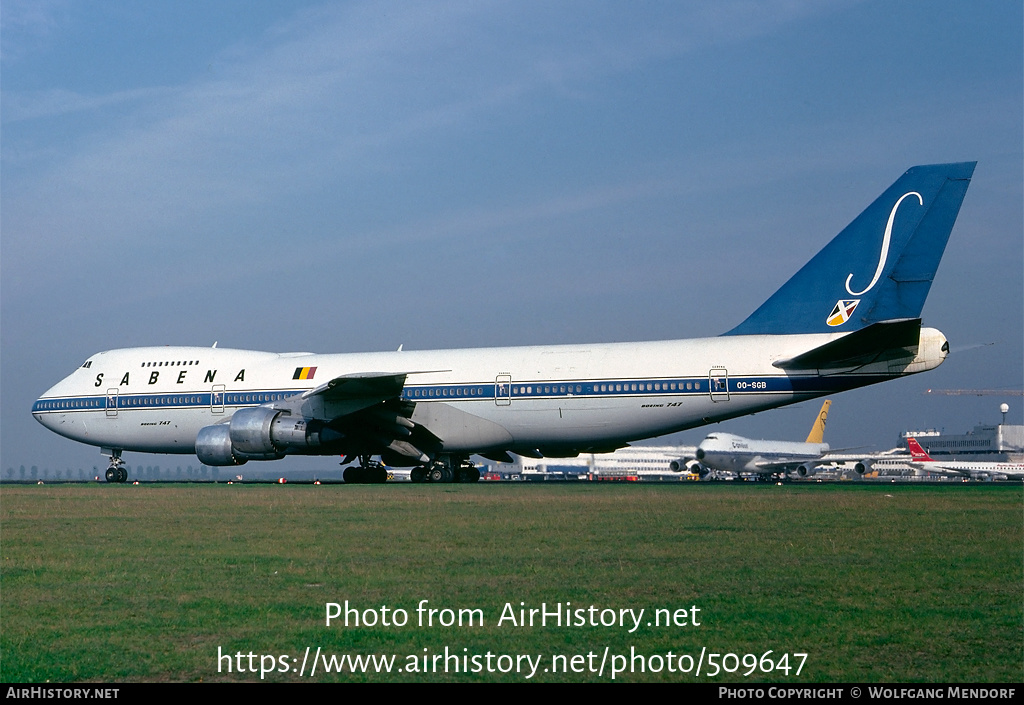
<point x="872" y="582"/>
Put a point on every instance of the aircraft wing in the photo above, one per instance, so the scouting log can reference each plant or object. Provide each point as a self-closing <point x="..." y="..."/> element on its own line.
<point x="784" y="465"/>
<point x="364" y="414"/>
<point x="359" y="387"/>
<point x="346" y="394"/>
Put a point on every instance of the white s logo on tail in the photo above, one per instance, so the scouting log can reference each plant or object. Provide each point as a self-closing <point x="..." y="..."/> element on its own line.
<point x="844" y="309"/>
<point x="885" y="247"/>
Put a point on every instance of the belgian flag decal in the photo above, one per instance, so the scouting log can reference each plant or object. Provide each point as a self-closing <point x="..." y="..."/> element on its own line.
<point x="304" y="373"/>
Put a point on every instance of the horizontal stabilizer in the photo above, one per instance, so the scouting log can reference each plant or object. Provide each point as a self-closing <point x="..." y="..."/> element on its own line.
<point x="879" y="341"/>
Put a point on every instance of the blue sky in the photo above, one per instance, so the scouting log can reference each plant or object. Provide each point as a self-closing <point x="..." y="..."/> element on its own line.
<point x="355" y="176"/>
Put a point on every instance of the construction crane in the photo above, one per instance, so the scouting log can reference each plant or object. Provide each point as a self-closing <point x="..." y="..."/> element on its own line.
<point x="978" y="392"/>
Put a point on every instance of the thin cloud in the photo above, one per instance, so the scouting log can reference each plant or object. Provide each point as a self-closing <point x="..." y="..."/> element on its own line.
<point x="57" y="102"/>
<point x="26" y="26"/>
<point x="328" y="92"/>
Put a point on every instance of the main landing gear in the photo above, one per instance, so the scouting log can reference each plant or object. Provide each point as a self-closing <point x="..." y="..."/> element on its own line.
<point x="116" y="472"/>
<point x="446" y="469"/>
<point x="369" y="472"/>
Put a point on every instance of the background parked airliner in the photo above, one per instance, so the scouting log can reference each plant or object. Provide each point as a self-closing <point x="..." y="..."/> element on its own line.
<point x="849" y="318"/>
<point x="731" y="453"/>
<point x="920" y="459"/>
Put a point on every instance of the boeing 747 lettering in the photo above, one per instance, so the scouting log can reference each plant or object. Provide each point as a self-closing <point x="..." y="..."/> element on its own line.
<point x="849" y="318"/>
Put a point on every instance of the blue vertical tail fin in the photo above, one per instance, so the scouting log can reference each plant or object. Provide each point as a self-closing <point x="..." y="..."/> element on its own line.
<point x="879" y="268"/>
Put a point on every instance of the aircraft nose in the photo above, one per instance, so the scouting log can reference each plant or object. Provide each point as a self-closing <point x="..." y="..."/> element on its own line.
<point x="38" y="412"/>
<point x="45" y="409"/>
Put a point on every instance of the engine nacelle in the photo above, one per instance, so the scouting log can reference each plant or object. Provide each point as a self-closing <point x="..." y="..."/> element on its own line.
<point x="250" y="431"/>
<point x="863" y="467"/>
<point x="256" y="433"/>
<point x="684" y="465"/>
<point x="688" y="465"/>
<point x="805" y="470"/>
<point x="213" y="446"/>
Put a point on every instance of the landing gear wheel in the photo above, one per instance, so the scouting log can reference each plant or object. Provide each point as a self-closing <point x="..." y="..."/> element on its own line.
<point x="369" y="472"/>
<point x="418" y="474"/>
<point x="467" y="472"/>
<point x="116" y="472"/>
<point x="435" y="474"/>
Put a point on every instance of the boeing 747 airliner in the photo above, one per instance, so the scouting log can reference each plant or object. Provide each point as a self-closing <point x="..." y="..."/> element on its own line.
<point x="730" y="453"/>
<point x="849" y="318"/>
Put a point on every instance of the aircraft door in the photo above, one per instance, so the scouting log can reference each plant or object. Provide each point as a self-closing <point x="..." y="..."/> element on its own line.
<point x="112" y="402"/>
<point x="718" y="383"/>
<point x="503" y="390"/>
<point x="217" y="399"/>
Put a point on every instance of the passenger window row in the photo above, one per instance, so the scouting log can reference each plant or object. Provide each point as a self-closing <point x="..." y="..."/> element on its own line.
<point x="520" y="390"/>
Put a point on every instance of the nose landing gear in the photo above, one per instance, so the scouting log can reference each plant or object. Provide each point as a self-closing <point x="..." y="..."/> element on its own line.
<point x="116" y="472"/>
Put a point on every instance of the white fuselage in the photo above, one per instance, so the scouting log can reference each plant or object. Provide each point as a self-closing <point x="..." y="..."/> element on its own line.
<point x="971" y="469"/>
<point x="728" y="452"/>
<point x="521" y="398"/>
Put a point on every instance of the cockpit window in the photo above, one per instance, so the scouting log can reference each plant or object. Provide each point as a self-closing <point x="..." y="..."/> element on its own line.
<point x="88" y="364"/>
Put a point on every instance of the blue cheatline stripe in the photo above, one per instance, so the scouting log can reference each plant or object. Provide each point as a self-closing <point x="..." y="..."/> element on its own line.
<point x="662" y="387"/>
<point x="162" y="401"/>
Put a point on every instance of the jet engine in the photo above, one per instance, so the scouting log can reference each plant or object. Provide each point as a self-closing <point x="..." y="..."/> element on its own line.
<point x="213" y="446"/>
<point x="806" y="470"/>
<point x="256" y="433"/>
<point x="688" y="465"/>
<point x="862" y="467"/>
